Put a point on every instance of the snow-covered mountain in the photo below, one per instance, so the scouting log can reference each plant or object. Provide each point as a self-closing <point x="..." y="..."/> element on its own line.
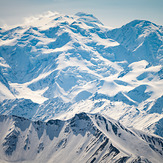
<point x="142" y="38"/>
<point x="84" y="138"/>
<point x="55" y="66"/>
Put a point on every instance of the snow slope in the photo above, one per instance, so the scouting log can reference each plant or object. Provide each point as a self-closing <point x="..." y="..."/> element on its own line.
<point x="83" y="138"/>
<point x="59" y="65"/>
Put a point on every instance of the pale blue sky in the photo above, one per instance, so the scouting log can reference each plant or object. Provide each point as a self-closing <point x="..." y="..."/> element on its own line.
<point x="114" y="13"/>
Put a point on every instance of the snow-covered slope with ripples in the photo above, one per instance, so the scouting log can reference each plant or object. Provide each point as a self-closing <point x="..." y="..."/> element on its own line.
<point x="59" y="65"/>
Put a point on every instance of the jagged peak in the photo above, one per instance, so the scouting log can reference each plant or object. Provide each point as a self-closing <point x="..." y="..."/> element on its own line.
<point x="141" y="24"/>
<point x="82" y="14"/>
<point x="88" y="17"/>
<point x="82" y="116"/>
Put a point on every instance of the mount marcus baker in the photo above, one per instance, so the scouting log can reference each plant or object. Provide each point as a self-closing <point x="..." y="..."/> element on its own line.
<point x="55" y="65"/>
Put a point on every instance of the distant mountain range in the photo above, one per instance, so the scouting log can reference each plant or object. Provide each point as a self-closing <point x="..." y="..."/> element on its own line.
<point x="56" y="66"/>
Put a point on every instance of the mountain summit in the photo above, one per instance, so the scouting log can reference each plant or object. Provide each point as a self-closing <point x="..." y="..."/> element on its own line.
<point x="143" y="38"/>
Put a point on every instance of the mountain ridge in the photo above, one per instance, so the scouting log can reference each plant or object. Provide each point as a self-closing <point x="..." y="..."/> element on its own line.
<point x="101" y="140"/>
<point x="117" y="72"/>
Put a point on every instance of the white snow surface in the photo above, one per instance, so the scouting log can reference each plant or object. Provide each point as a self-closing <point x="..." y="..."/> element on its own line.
<point x="62" y="65"/>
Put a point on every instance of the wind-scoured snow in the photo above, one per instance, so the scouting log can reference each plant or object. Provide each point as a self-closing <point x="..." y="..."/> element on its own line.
<point x="62" y="65"/>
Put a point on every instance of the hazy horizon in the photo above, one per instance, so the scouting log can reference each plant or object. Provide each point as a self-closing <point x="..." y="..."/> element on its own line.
<point x="111" y="13"/>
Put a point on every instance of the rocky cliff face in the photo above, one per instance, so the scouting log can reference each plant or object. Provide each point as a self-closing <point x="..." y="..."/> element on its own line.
<point x="83" y="138"/>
